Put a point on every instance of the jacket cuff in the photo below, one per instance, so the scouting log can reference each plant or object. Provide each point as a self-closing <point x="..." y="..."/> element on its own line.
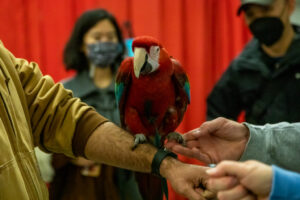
<point x="257" y="146"/>
<point x="84" y="129"/>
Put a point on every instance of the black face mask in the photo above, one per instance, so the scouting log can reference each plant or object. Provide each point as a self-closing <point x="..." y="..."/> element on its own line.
<point x="103" y="54"/>
<point x="268" y="30"/>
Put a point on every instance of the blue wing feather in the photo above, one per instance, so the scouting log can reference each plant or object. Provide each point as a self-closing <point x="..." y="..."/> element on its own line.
<point x="123" y="82"/>
<point x="187" y="90"/>
<point x="119" y="89"/>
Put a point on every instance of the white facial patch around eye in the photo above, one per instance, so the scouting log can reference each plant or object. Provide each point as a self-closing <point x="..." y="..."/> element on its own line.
<point x="154" y="52"/>
<point x="153" y="57"/>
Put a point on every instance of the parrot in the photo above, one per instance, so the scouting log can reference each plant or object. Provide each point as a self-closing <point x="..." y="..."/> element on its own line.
<point x="152" y="92"/>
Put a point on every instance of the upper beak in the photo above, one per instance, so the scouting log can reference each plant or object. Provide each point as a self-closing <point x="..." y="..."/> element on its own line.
<point x="138" y="60"/>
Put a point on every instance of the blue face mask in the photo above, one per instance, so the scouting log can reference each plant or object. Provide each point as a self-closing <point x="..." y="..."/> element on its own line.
<point x="103" y="54"/>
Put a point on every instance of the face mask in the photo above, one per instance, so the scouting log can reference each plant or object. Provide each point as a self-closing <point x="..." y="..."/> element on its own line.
<point x="103" y="54"/>
<point x="268" y="30"/>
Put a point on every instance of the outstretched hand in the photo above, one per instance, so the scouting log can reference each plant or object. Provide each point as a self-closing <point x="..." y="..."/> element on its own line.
<point x="214" y="141"/>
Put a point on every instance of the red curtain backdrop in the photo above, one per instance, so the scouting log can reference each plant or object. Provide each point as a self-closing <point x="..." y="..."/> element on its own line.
<point x="204" y="35"/>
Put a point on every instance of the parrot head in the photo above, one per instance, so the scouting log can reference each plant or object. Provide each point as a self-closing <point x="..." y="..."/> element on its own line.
<point x="149" y="56"/>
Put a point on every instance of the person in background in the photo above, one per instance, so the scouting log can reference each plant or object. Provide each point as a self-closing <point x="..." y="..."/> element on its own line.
<point x="253" y="180"/>
<point x="264" y="80"/>
<point x="95" y="51"/>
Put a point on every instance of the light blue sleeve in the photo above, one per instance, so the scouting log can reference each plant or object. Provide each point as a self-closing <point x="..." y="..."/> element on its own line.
<point x="285" y="185"/>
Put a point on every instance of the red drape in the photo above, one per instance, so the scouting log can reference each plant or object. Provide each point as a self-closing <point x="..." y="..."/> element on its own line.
<point x="204" y="35"/>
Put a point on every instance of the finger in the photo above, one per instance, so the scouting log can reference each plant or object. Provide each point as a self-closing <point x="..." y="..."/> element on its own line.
<point x="230" y="168"/>
<point x="192" y="153"/>
<point x="211" y="127"/>
<point x="238" y="192"/>
<point x="179" y="149"/>
<point x="209" y="194"/>
<point x="192" y="135"/>
<point x="190" y="144"/>
<point x="170" y="144"/>
<point x="192" y="193"/>
<point x="223" y="183"/>
<point x="193" y="143"/>
<point x="183" y="150"/>
<point x="249" y="197"/>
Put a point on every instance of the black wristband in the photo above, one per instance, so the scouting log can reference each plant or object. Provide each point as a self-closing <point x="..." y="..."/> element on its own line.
<point x="158" y="158"/>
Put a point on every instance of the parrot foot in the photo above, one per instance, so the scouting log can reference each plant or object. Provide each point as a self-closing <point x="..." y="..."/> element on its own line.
<point x="177" y="137"/>
<point x="138" y="139"/>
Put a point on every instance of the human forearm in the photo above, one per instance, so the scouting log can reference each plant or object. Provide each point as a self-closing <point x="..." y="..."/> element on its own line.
<point x="111" y="145"/>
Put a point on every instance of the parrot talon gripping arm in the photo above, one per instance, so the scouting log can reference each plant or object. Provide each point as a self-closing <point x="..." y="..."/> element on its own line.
<point x="138" y="139"/>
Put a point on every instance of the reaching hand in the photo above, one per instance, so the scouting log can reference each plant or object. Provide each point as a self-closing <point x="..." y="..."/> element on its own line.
<point x="214" y="141"/>
<point x="188" y="180"/>
<point x="235" y="180"/>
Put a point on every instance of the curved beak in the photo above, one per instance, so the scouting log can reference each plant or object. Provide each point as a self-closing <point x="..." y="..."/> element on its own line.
<point x="138" y="60"/>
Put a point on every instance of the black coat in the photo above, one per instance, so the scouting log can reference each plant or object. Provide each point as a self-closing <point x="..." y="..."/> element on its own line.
<point x="267" y="89"/>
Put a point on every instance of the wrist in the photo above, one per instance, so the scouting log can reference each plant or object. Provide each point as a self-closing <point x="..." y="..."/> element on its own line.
<point x="243" y="141"/>
<point x="161" y="162"/>
<point x="246" y="133"/>
<point x="168" y="167"/>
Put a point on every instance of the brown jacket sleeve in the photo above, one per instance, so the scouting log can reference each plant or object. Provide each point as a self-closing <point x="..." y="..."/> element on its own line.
<point x="60" y="123"/>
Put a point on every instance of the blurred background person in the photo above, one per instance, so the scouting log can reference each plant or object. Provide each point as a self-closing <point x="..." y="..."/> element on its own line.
<point x="95" y="51"/>
<point x="264" y="80"/>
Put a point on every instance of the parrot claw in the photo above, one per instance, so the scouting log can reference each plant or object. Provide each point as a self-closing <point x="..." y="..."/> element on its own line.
<point x="177" y="137"/>
<point x="138" y="139"/>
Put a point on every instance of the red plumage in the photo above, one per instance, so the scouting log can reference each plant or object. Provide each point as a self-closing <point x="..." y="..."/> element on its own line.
<point x="152" y="91"/>
<point x="154" y="101"/>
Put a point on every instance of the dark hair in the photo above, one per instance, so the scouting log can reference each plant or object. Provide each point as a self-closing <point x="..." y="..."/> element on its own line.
<point x="73" y="56"/>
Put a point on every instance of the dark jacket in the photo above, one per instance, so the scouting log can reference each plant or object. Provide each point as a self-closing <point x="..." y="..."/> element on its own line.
<point x="267" y="89"/>
<point x="103" y="100"/>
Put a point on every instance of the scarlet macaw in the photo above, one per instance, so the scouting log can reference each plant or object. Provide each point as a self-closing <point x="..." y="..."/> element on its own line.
<point x="152" y="91"/>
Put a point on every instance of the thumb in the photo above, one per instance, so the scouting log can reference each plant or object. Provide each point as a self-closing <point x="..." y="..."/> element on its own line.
<point x="193" y="193"/>
<point x="228" y="168"/>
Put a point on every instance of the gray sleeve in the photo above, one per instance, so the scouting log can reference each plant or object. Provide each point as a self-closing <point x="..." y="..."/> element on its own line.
<point x="277" y="144"/>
